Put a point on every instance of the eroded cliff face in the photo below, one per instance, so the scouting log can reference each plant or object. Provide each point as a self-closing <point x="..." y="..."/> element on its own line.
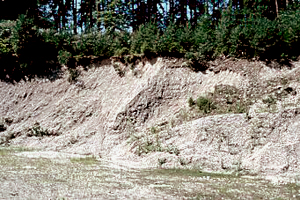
<point x="139" y="115"/>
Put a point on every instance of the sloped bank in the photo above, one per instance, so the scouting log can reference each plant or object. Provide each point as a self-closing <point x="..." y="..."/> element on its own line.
<point x="142" y="119"/>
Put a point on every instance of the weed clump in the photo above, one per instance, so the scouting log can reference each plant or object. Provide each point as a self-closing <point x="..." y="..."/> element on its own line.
<point x="162" y="161"/>
<point x="37" y="131"/>
<point x="205" y="104"/>
<point x="73" y="75"/>
<point x="191" y="102"/>
<point x="269" y="100"/>
<point x="5" y="139"/>
<point x="119" y="70"/>
<point x="2" y="127"/>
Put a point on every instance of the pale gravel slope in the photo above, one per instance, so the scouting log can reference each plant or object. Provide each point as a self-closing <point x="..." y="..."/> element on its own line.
<point x="93" y="117"/>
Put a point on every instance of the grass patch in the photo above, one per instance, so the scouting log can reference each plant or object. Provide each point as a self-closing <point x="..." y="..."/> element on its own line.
<point x="191" y="172"/>
<point x="88" y="160"/>
<point x="4" y="152"/>
<point x="9" y="150"/>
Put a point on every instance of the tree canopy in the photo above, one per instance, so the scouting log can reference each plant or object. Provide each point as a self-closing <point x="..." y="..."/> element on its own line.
<point x="76" y="32"/>
<point x="130" y="14"/>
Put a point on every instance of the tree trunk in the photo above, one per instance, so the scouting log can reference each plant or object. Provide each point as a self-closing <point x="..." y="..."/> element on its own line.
<point x="134" y="27"/>
<point x="75" y="16"/>
<point x="64" y="10"/>
<point x="276" y="6"/>
<point x="91" y="9"/>
<point x="183" y="12"/>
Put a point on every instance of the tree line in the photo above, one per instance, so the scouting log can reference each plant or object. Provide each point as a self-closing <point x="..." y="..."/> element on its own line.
<point x="130" y="14"/>
<point x="39" y="36"/>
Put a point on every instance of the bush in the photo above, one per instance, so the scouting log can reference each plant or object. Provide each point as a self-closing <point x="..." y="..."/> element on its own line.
<point x="64" y="57"/>
<point x="145" y="39"/>
<point x="191" y="102"/>
<point x="205" y="104"/>
<point x="162" y="161"/>
<point x="73" y="75"/>
<point x="2" y="127"/>
<point x="37" y="131"/>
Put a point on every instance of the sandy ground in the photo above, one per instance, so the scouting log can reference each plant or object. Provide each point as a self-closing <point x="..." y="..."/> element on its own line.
<point x="49" y="175"/>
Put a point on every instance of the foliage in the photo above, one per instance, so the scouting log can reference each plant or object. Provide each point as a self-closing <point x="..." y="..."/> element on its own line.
<point x="145" y="39"/>
<point x="148" y="146"/>
<point x="2" y="127"/>
<point x="170" y="40"/>
<point x="30" y="47"/>
<point x="237" y="34"/>
<point x="204" y="39"/>
<point x="73" y="75"/>
<point x="205" y="104"/>
<point x="162" y="161"/>
<point x="37" y="131"/>
<point x="63" y="57"/>
<point x="191" y="102"/>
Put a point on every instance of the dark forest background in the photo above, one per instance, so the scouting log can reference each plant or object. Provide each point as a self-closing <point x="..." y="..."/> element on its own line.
<point x="37" y="37"/>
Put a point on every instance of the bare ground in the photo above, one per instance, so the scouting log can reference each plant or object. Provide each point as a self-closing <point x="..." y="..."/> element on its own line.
<point x="66" y="176"/>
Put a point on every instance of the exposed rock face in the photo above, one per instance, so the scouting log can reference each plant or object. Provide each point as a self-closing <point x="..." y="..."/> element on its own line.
<point x="143" y="116"/>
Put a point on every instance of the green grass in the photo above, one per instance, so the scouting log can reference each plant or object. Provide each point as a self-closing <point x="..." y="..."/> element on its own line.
<point x="191" y="172"/>
<point x="8" y="150"/>
<point x="88" y="160"/>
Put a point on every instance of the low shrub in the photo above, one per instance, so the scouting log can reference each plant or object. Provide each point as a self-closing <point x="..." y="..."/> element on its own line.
<point x="64" y="57"/>
<point x="73" y="75"/>
<point x="2" y="127"/>
<point x="162" y="161"/>
<point x="173" y="150"/>
<point x="205" y="104"/>
<point x="37" y="131"/>
<point x="191" y="102"/>
<point x="5" y="139"/>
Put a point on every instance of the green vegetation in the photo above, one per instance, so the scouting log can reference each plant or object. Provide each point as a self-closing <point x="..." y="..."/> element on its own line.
<point x="224" y="99"/>
<point x="192" y="172"/>
<point x="88" y="160"/>
<point x="162" y="161"/>
<point x="2" y="127"/>
<point x="269" y="100"/>
<point x="37" y="131"/>
<point x="9" y="150"/>
<point x="8" y="135"/>
<point x="150" y="141"/>
<point x="240" y="33"/>
<point x="205" y="104"/>
<point x="73" y="75"/>
<point x="147" y="145"/>
<point x="191" y="102"/>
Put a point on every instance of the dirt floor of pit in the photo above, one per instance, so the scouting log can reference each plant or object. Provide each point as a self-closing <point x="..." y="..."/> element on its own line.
<point x="34" y="175"/>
